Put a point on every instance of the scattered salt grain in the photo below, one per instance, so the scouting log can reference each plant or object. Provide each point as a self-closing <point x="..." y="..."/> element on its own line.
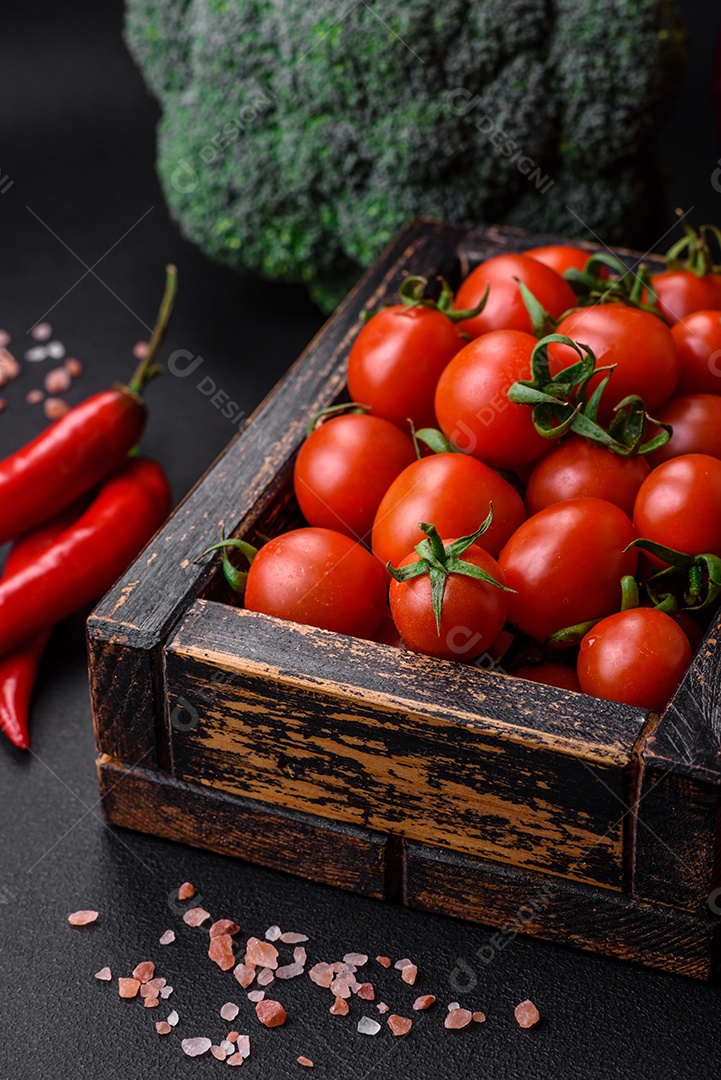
<point x="306" y="1062"/>
<point x="145" y="971"/>
<point x="128" y="988"/>
<point x="105" y="975"/>
<point x="4" y="338"/>
<point x="55" y="350"/>
<point x="340" y="988"/>
<point x="526" y="1014"/>
<point x="244" y="973"/>
<point x="256" y="995"/>
<point x="479" y="1017"/>
<point x="265" y="977"/>
<point x="424" y="1002"/>
<point x="368" y="1026"/>
<point x="399" y="1025"/>
<point x="42" y="331"/>
<point x="168" y="938"/>
<point x="151" y="1003"/>
<point x="221" y="953"/>
<point x="300" y="955"/>
<point x="453" y="1005"/>
<point x="163" y="1027"/>
<point x="321" y="974"/>
<point x="273" y="933"/>
<point x="366" y="992"/>
<point x="261" y="953"/>
<point x="55" y="408"/>
<point x="290" y="971"/>
<point x="195" y="916"/>
<point x="196" y="1047"/>
<point x="355" y="958"/>
<point x="458" y="1018"/>
<point x="173" y="1018"/>
<point x="82" y="918"/>
<point x="243" y="1044"/>
<point x="384" y="961"/>
<point x="57" y="381"/>
<point x="234" y="1060"/>
<point x="382" y="1007"/>
<point x="9" y="365"/>
<point x="73" y="367"/>
<point x="227" y="1046"/>
<point x="339" y="1007"/>
<point x="218" y="1052"/>
<point x="151" y="988"/>
<point x="140" y="351"/>
<point x="229" y="1011"/>
<point x="166" y="992"/>
<point x="270" y="1013"/>
<point x="293" y="939"/>
<point x="37" y="353"/>
<point x="409" y="974"/>
<point x="400" y="964"/>
<point x="186" y="890"/>
<point x="34" y="397"/>
<point x="232" y="1036"/>
<point x="224" y="926"/>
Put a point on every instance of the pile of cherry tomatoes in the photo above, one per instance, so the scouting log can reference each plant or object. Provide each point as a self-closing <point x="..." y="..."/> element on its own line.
<point x="527" y="476"/>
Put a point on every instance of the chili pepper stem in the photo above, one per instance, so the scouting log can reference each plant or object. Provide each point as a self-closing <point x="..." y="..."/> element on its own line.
<point x="146" y="369"/>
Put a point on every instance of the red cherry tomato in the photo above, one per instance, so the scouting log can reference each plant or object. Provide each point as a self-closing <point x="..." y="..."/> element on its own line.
<point x="566" y="565"/>
<point x="577" y="468"/>
<point x="696" y="423"/>
<point x="504" y="308"/>
<point x="679" y="505"/>
<point x="698" y="343"/>
<point x="344" y="469"/>
<point x="551" y="674"/>
<point x="453" y="492"/>
<point x="472" y="615"/>
<point x="320" y="578"/>
<point x="562" y="257"/>
<point x="472" y="403"/>
<point x="397" y="359"/>
<point x="637" y="657"/>
<point x="638" y="343"/>
<point x="681" y="292"/>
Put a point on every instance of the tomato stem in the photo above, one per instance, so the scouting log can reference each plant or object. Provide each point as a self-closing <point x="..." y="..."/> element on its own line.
<point x="351" y="407"/>
<point x="235" y="578"/>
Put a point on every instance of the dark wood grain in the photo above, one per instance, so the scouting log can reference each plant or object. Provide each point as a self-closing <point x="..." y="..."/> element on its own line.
<point x="520" y="902"/>
<point x="332" y="853"/>
<point x="401" y="743"/>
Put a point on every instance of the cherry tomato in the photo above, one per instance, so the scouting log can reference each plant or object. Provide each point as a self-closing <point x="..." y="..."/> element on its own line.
<point x="453" y="491"/>
<point x="472" y="614"/>
<point x="504" y="308"/>
<point x="679" y="505"/>
<point x="696" y="423"/>
<point x="397" y="359"/>
<point x="638" y="343"/>
<point x="472" y="403"/>
<point x="637" y="657"/>
<point x="681" y="292"/>
<point x="577" y="468"/>
<point x="566" y="565"/>
<point x="344" y="469"/>
<point x="320" y="578"/>
<point x="698" y="343"/>
<point x="550" y="674"/>
<point x="562" y="257"/>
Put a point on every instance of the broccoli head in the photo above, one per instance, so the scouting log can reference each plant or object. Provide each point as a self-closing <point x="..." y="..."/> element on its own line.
<point x="297" y="137"/>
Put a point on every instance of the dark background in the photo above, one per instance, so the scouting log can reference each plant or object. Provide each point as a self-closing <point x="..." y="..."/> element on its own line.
<point x="78" y="146"/>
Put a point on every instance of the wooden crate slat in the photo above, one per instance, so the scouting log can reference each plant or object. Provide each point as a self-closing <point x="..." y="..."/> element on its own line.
<point x="361" y="732"/>
<point x="332" y="853"/>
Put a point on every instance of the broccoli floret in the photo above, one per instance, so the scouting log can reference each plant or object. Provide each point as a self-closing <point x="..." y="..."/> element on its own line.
<point x="296" y="139"/>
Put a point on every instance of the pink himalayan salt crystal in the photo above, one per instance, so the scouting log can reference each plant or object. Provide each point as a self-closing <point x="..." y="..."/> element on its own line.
<point x="34" y="397"/>
<point x="234" y="1060"/>
<point x="453" y="1005"/>
<point x="163" y="1027"/>
<point x="305" y="1062"/>
<point x="57" y="380"/>
<point x="340" y="988"/>
<point x="55" y="350"/>
<point x="36" y="354"/>
<point x="224" y="926"/>
<point x="424" y="1002"/>
<point x="42" y="332"/>
<point x="186" y="890"/>
<point x="195" y="916"/>
<point x="400" y="964"/>
<point x="128" y="988"/>
<point x="230" y="1038"/>
<point x="458" y="1018"/>
<point x="245" y="973"/>
<point x="409" y="974"/>
<point x="293" y="939"/>
<point x="196" y="1047"/>
<point x="151" y="1003"/>
<point x="140" y="351"/>
<point x="399" y="1025"/>
<point x="382" y="1007"/>
<point x="368" y="1026"/>
<point x="4" y="338"/>
<point x="220" y="951"/>
<point x="73" y="367"/>
<point x="227" y="1045"/>
<point x="166" y="992"/>
<point x="9" y="365"/>
<point x="526" y="1014"/>
<point x="342" y="968"/>
<point x="167" y="938"/>
<point x="384" y="961"/>
<point x="151" y="988"/>
<point x="321" y="974"/>
<point x="270" y="1013"/>
<point x="105" y="974"/>
<point x="479" y="1017"/>
<point x="173" y="1018"/>
<point x="290" y="971"/>
<point x="256" y="995"/>
<point x="218" y="1052"/>
<point x="229" y="1011"/>
<point x="366" y="991"/>
<point x="261" y="953"/>
<point x="82" y="918"/>
<point x="265" y="977"/>
<point x="339" y="1007"/>
<point x="300" y="955"/>
<point x="54" y="408"/>
<point x="356" y="959"/>
<point x="243" y="1044"/>
<point x="273" y="933"/>
<point x="145" y="971"/>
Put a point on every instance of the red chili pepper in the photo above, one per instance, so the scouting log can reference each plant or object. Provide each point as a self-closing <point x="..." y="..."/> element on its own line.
<point x="78" y="451"/>
<point x="87" y="557"/>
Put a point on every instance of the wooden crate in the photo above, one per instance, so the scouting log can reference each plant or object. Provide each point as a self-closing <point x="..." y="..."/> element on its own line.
<point x="348" y="762"/>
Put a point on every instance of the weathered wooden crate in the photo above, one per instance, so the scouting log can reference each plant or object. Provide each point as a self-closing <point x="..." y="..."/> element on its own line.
<point x="351" y="763"/>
